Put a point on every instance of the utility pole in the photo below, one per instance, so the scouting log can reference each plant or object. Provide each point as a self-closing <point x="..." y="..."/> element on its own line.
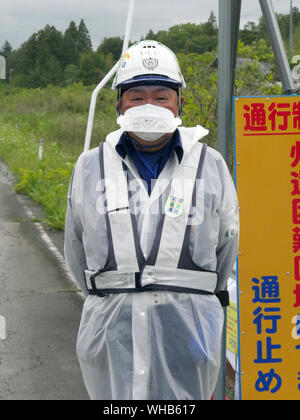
<point x="291" y="30"/>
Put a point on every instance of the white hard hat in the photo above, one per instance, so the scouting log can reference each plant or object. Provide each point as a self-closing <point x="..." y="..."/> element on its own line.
<point x="148" y="62"/>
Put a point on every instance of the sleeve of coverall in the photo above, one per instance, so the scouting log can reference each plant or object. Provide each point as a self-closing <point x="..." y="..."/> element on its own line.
<point x="73" y="247"/>
<point x="228" y="242"/>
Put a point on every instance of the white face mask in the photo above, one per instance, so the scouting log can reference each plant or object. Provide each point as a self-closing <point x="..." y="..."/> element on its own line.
<point x="149" y="122"/>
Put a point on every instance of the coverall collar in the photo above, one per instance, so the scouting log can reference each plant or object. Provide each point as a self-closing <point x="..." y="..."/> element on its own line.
<point x="188" y="135"/>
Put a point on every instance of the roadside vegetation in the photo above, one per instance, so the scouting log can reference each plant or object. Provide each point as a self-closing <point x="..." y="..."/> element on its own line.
<point x="58" y="116"/>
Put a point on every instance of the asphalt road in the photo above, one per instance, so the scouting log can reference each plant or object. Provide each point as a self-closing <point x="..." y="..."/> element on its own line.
<point x="41" y="308"/>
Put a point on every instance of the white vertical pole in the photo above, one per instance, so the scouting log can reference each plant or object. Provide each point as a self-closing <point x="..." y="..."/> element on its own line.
<point x="90" y="123"/>
<point x="2" y="327"/>
<point x="128" y="25"/>
<point x="2" y="67"/>
<point x="103" y="82"/>
<point x="41" y="144"/>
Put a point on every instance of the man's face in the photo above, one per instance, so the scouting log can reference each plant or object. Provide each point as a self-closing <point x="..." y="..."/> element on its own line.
<point x="154" y="95"/>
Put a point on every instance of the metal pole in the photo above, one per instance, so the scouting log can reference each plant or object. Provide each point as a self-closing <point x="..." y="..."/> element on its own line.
<point x="229" y="21"/>
<point x="103" y="82"/>
<point x="235" y="37"/>
<point x="95" y="93"/>
<point x="229" y="17"/>
<point x="277" y="46"/>
<point x="224" y="77"/>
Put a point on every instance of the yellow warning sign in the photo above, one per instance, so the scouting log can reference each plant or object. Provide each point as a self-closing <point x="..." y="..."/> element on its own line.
<point x="267" y="165"/>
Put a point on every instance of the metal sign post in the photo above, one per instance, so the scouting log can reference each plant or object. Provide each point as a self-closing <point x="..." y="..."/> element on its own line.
<point x="229" y="20"/>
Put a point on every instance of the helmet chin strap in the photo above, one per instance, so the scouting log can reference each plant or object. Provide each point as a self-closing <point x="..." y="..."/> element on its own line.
<point x="142" y="147"/>
<point x="179" y="103"/>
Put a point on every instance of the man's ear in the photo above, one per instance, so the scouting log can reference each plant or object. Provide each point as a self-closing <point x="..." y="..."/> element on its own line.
<point x="180" y="106"/>
<point x="118" y="108"/>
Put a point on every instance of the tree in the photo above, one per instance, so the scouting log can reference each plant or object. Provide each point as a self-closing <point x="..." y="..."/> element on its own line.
<point x="249" y="33"/>
<point x="212" y="20"/>
<point x="210" y="27"/>
<point x="84" y="40"/>
<point x="76" y="42"/>
<point x="71" y="51"/>
<point x="190" y="37"/>
<point x="201" y="45"/>
<point x="150" y="35"/>
<point x="52" y="72"/>
<point x="70" y="74"/>
<point x="92" y="68"/>
<point x="53" y="41"/>
<point x="111" y="46"/>
<point x="39" y="60"/>
<point x="6" y="49"/>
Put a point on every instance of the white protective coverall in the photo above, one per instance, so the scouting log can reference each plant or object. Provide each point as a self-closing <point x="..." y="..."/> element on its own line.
<point x="158" y="344"/>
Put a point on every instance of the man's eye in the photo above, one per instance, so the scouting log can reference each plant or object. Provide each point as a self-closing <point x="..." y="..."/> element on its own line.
<point x="137" y="99"/>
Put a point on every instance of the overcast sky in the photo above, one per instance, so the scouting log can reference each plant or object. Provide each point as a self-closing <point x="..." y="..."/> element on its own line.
<point x="19" y="19"/>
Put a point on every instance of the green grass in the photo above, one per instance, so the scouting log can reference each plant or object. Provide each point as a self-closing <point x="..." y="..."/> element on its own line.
<point x="45" y="181"/>
<point x="59" y="116"/>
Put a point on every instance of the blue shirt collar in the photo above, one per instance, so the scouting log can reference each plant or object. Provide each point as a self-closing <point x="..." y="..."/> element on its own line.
<point x="125" y="146"/>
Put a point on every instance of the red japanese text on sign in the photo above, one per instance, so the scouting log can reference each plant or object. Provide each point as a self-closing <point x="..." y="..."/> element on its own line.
<point x="272" y="117"/>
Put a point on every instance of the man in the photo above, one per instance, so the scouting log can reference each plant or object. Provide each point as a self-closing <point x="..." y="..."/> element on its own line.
<point x="151" y="237"/>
